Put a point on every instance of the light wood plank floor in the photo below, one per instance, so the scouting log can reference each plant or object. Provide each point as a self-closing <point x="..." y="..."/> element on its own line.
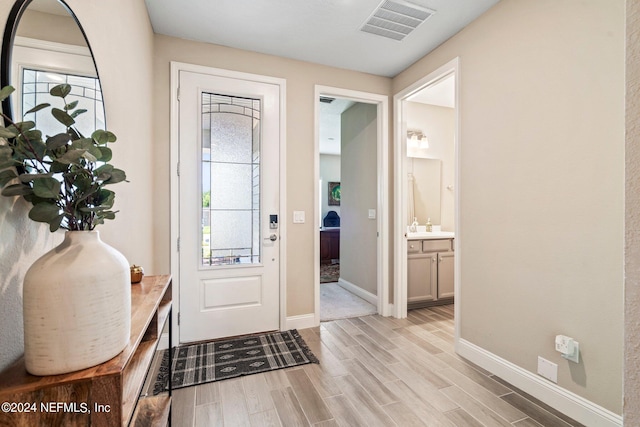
<point x="373" y="371"/>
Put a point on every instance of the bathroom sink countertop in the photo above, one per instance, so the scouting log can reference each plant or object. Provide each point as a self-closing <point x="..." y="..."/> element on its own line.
<point x="424" y="235"/>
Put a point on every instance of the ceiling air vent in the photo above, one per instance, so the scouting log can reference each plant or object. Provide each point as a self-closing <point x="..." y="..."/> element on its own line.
<point x="396" y="19"/>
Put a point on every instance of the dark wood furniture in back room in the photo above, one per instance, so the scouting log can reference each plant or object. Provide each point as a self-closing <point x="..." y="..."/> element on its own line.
<point x="329" y="245"/>
<point x="104" y="395"/>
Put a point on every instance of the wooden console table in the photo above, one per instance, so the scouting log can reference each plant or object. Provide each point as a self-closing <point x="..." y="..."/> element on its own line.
<point x="104" y="395"/>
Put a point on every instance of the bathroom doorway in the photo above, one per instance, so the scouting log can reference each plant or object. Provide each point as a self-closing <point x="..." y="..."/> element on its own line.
<point x="349" y="210"/>
<point x="427" y="256"/>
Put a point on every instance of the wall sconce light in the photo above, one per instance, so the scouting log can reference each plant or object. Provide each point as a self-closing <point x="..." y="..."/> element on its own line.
<point x="417" y="139"/>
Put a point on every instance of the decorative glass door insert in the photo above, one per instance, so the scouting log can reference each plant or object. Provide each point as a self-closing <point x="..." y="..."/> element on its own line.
<point x="230" y="180"/>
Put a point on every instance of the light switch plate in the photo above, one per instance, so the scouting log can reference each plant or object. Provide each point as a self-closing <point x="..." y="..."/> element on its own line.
<point x="298" y="217"/>
<point x="372" y="214"/>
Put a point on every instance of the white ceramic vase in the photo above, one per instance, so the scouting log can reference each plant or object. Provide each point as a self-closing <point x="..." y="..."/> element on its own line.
<point x="76" y="305"/>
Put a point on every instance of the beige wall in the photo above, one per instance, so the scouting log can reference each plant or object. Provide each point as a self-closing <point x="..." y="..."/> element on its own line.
<point x="632" y="220"/>
<point x="301" y="80"/>
<point x="358" y="240"/>
<point x="541" y="175"/>
<point x="329" y="172"/>
<point x="47" y="26"/>
<point x="123" y="58"/>
<point x="541" y="185"/>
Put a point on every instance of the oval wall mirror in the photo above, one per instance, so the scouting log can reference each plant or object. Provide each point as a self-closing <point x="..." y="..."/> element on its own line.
<point x="45" y="45"/>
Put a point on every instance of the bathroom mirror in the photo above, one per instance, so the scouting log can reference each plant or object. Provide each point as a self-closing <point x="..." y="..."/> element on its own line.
<point x="45" y="45"/>
<point x="425" y="185"/>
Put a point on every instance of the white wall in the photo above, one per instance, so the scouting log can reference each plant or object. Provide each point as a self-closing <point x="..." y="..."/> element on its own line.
<point x="541" y="185"/>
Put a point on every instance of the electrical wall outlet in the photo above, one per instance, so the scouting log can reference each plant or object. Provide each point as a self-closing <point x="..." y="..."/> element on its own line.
<point x="568" y="347"/>
<point x="547" y="369"/>
<point x="564" y="344"/>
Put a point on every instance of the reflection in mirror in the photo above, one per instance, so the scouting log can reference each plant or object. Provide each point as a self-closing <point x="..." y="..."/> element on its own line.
<point x="424" y="187"/>
<point x="44" y="46"/>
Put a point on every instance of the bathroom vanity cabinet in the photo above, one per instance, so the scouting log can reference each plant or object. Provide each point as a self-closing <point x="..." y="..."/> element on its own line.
<point x="430" y="271"/>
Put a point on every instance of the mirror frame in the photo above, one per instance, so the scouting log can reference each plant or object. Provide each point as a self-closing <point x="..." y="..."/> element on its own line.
<point x="8" y="39"/>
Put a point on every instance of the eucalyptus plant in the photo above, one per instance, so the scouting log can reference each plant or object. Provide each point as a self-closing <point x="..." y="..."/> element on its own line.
<point x="63" y="175"/>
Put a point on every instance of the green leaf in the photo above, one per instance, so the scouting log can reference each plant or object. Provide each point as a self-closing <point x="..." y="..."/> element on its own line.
<point x="103" y="172"/>
<point x="5" y="92"/>
<point x="28" y="177"/>
<point x="37" y="108"/>
<point x="54" y="224"/>
<point x="57" y="141"/>
<point x="6" y="176"/>
<point x="39" y="147"/>
<point x="57" y="167"/>
<point x="71" y="156"/>
<point x="60" y="90"/>
<point x="107" y="154"/>
<point x="4" y="164"/>
<point x="62" y="117"/>
<point x="105" y="198"/>
<point x="44" y="212"/>
<point x="78" y="112"/>
<point x="103" y="136"/>
<point x="8" y="132"/>
<point x="82" y="143"/>
<point x="71" y="106"/>
<point x="48" y="188"/>
<point x="117" y="175"/>
<point x="5" y="152"/>
<point x="25" y="126"/>
<point x="108" y="215"/>
<point x="17" y="190"/>
<point x="89" y="157"/>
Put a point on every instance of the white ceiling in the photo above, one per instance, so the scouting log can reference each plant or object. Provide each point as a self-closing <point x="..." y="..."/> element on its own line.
<point x="319" y="31"/>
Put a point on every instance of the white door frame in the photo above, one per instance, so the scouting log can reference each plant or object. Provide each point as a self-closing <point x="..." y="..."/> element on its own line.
<point x="176" y="67"/>
<point x="382" y="103"/>
<point x="400" y="187"/>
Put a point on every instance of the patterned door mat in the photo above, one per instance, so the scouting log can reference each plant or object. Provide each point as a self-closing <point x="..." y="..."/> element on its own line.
<point x="218" y="360"/>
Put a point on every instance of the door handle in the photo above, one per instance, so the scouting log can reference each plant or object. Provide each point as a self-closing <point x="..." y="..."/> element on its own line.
<point x="273" y="237"/>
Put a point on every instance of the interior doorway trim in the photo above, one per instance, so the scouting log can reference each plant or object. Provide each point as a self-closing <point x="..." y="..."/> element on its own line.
<point x="400" y="188"/>
<point x="176" y="67"/>
<point x="382" y="103"/>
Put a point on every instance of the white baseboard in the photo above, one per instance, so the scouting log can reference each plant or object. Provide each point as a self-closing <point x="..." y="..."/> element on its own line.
<point x="570" y="404"/>
<point x="389" y="311"/>
<point x="356" y="290"/>
<point x="302" y="321"/>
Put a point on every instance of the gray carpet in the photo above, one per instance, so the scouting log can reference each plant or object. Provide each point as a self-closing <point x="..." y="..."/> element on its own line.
<point x="338" y="303"/>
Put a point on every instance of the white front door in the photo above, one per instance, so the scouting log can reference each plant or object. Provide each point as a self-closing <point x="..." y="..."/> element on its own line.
<point x="229" y="250"/>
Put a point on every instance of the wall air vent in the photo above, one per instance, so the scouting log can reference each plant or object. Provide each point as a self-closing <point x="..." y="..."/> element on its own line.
<point x="396" y="19"/>
<point x="326" y="99"/>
